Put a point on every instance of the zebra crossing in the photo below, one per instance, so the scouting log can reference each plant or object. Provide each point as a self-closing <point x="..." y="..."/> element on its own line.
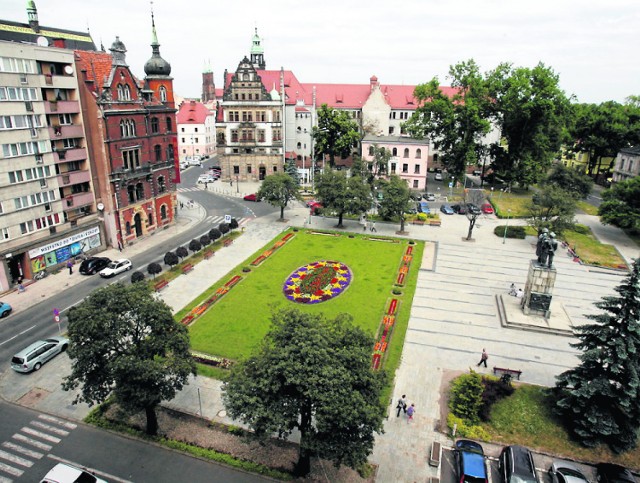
<point x="31" y="443"/>
<point x="216" y="220"/>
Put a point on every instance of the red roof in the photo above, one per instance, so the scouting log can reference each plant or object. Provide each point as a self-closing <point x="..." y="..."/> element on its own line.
<point x="96" y="64"/>
<point x="192" y="112"/>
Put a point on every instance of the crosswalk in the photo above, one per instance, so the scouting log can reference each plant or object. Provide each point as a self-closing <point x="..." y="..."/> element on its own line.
<point x="31" y="443"/>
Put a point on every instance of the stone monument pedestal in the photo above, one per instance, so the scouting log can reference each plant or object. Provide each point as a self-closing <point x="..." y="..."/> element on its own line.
<point x="538" y="290"/>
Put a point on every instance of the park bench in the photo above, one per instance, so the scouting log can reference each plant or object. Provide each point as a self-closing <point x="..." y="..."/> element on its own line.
<point x="187" y="268"/>
<point x="208" y="254"/>
<point x="511" y="372"/>
<point x="435" y="222"/>
<point x="417" y="222"/>
<point x="227" y="242"/>
<point x="435" y="454"/>
<point x="160" y="285"/>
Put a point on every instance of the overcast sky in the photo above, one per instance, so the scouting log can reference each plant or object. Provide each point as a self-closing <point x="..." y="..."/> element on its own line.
<point x="592" y="45"/>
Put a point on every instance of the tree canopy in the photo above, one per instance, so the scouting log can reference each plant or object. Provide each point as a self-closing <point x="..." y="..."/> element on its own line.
<point x="335" y="135"/>
<point x="124" y="341"/>
<point x="343" y="195"/>
<point x="278" y="190"/>
<point x="395" y="201"/>
<point x="314" y="375"/>
<point x="621" y="205"/>
<point x="554" y="208"/>
<point x="600" y="399"/>
<point x="570" y="180"/>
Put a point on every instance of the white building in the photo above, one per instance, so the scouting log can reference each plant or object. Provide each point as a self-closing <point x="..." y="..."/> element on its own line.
<point x="196" y="130"/>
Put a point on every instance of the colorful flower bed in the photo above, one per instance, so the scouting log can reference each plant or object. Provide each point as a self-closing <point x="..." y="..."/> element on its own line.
<point x="202" y="308"/>
<point x="210" y="360"/>
<point x="268" y="253"/>
<point x="406" y="263"/>
<point x="317" y="282"/>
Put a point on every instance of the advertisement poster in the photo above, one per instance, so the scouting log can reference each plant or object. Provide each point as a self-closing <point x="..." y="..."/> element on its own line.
<point x="37" y="264"/>
<point x="63" y="254"/>
<point x="50" y="258"/>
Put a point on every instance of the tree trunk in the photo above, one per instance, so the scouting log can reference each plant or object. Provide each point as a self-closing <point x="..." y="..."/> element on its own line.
<point x="282" y="212"/>
<point x="340" y="225"/>
<point x="472" y="222"/>
<point x="402" y="223"/>
<point x="303" y="466"/>
<point x="152" y="420"/>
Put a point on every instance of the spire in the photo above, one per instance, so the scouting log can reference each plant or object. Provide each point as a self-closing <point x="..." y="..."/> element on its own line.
<point x="32" y="15"/>
<point x="156" y="65"/>
<point x="257" y="52"/>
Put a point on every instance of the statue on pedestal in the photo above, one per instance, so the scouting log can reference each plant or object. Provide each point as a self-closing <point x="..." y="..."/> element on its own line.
<point x="547" y="250"/>
<point x="544" y="234"/>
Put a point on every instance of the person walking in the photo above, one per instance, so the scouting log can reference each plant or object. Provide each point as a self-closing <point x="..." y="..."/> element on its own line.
<point x="206" y="185"/>
<point x="70" y="266"/>
<point x="483" y="358"/>
<point x="402" y="405"/>
<point x="373" y="226"/>
<point x="410" y="412"/>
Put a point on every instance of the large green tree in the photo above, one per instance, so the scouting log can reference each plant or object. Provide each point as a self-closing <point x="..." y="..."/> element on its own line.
<point x="126" y="343"/>
<point x="554" y="208"/>
<point x="570" y="180"/>
<point x="621" y="205"/>
<point x="600" y="399"/>
<point x="335" y="135"/>
<point x="278" y="190"/>
<point x="291" y="169"/>
<point x="531" y="112"/>
<point x="314" y="375"/>
<point x="396" y="198"/>
<point x="455" y="123"/>
<point x="343" y="195"/>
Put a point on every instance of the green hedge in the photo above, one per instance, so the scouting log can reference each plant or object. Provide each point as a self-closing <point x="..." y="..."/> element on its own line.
<point x="512" y="231"/>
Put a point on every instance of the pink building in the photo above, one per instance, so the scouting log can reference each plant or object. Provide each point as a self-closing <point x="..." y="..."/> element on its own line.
<point x="196" y="130"/>
<point x="409" y="157"/>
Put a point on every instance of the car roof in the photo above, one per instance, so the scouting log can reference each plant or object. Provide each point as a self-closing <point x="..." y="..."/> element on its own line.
<point x="619" y="473"/>
<point x="521" y="461"/>
<point x="472" y="458"/>
<point x="64" y="473"/>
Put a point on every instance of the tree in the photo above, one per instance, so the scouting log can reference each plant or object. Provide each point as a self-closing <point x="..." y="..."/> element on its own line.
<point x="621" y="205"/>
<point x="182" y="252"/>
<point x="234" y="224"/>
<point x="291" y="169"/>
<point x="600" y="398"/>
<point x="154" y="269"/>
<point x="379" y="167"/>
<point x="278" y="190"/>
<point x="126" y="343"/>
<point x="205" y="240"/>
<point x="396" y="197"/>
<point x="343" y="195"/>
<point x="532" y="113"/>
<point x="335" y="134"/>
<point x="171" y="259"/>
<point x="570" y="180"/>
<point x="195" y="245"/>
<point x="224" y="228"/>
<point x="455" y="123"/>
<point x="315" y="375"/>
<point x="554" y="208"/>
<point x="214" y="234"/>
<point x="137" y="277"/>
<point x="476" y="197"/>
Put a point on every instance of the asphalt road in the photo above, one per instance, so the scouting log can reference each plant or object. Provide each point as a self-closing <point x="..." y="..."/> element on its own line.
<point x="32" y="443"/>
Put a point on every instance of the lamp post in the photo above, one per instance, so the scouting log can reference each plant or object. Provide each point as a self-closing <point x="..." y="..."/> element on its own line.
<point x="237" y="184"/>
<point x="506" y="227"/>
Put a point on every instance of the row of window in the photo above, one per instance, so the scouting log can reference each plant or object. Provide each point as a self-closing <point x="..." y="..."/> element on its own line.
<point x="18" y="94"/>
<point x="128" y="126"/>
<point x="131" y="157"/>
<point x="123" y="92"/>
<point x="400" y="115"/>
<point x="405" y="168"/>
<point x="29" y="174"/>
<point x="34" y="199"/>
<point x="248" y="116"/>
<point x="20" y="121"/>
<point x="236" y="169"/>
<point x="31" y="226"/>
<point x="24" y="149"/>
<point x="20" y="66"/>
<point x="394" y="152"/>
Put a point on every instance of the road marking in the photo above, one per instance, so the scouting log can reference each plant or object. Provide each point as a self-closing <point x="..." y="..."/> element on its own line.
<point x="5" y="480"/>
<point x="16" y="459"/>
<point x="40" y="435"/>
<point x="59" y="422"/>
<point x="11" y="470"/>
<point x="48" y="427"/>
<point x="17" y="335"/>
<point x="32" y="442"/>
<point x="22" y="449"/>
<point x="91" y="470"/>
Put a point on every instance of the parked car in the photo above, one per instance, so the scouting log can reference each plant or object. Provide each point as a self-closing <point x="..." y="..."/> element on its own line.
<point x="93" y="265"/>
<point x="438" y="177"/>
<point x="487" y="209"/>
<point x="423" y="207"/>
<point x="566" y="472"/>
<point x="460" y="209"/>
<point x="446" y="209"/>
<point x="64" y="473"/>
<point x="429" y="197"/>
<point x="612" y="473"/>
<point x="315" y="207"/>
<point x="194" y="160"/>
<point x="184" y="164"/>
<point x="206" y="178"/>
<point x="415" y="196"/>
<point x="33" y="356"/>
<point x="5" y="309"/>
<point x="251" y="197"/>
<point x="411" y="211"/>
<point x="116" y="267"/>
<point x="310" y="202"/>
<point x="469" y="458"/>
<point x="516" y="465"/>
<point x="473" y="209"/>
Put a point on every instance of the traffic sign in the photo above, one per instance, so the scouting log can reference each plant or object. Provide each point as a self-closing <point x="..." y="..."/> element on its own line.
<point x="56" y="319"/>
<point x="227" y="218"/>
<point x="56" y="312"/>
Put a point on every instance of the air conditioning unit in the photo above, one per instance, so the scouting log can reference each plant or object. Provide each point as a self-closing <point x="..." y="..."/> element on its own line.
<point x="29" y="106"/>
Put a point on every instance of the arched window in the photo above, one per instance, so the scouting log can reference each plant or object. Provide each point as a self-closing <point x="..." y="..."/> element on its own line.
<point x="169" y="125"/>
<point x="131" y="193"/>
<point x="120" y="92"/>
<point x="127" y="92"/>
<point x="158" y="151"/>
<point x="123" y="128"/>
<point x="371" y="151"/>
<point x="161" y="185"/>
<point x="151" y="218"/>
<point x="163" y="212"/>
<point x="299" y="145"/>
<point x="394" y="152"/>
<point x="154" y="125"/>
<point x="220" y="138"/>
<point x="132" y="126"/>
<point x="163" y="94"/>
<point x="127" y="228"/>
<point x="170" y="152"/>
<point x="406" y="152"/>
<point x="418" y="153"/>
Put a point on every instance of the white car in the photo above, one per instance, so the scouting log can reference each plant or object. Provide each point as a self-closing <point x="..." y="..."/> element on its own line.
<point x="116" y="267"/>
<point x="184" y="164"/>
<point x="206" y="178"/>
<point x="438" y="177"/>
<point x="63" y="473"/>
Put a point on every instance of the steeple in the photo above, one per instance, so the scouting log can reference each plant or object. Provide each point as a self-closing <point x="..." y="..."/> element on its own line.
<point x="257" y="52"/>
<point x="156" y="65"/>
<point x="208" y="85"/>
<point x="32" y="14"/>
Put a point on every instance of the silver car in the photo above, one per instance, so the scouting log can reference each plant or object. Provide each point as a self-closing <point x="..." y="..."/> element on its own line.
<point x="566" y="472"/>
<point x="32" y="357"/>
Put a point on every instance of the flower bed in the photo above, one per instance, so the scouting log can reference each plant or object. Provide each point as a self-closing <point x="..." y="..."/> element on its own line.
<point x="210" y="360"/>
<point x="317" y="282"/>
<point x="268" y="253"/>
<point x="202" y="308"/>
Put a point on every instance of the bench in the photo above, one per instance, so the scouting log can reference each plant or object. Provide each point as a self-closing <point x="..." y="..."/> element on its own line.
<point x="417" y="222"/>
<point x="160" y="285"/>
<point x="435" y="222"/>
<point x="208" y="254"/>
<point x="435" y="454"/>
<point x="511" y="372"/>
<point x="227" y="242"/>
<point x="187" y="268"/>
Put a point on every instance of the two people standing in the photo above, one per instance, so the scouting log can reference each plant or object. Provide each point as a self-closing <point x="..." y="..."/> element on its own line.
<point x="408" y="410"/>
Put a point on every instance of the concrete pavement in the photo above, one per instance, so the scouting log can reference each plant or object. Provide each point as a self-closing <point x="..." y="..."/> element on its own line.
<point x="454" y="315"/>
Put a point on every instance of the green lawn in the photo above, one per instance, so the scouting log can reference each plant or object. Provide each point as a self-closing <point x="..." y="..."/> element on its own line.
<point x="237" y="323"/>
<point x="517" y="203"/>
<point x="591" y="251"/>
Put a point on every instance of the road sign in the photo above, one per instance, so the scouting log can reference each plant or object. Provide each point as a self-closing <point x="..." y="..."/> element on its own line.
<point x="56" y="319"/>
<point x="227" y="218"/>
<point x="450" y="184"/>
<point x="56" y="312"/>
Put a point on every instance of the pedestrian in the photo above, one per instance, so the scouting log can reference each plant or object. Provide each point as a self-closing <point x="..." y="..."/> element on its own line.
<point x="205" y="185"/>
<point x="181" y="205"/>
<point x="364" y="224"/>
<point x="119" y="245"/>
<point x="373" y="226"/>
<point x="402" y="405"/>
<point x="70" y="266"/>
<point x="520" y="293"/>
<point x="483" y="358"/>
<point x="410" y="412"/>
<point x="512" y="289"/>
<point x="230" y="182"/>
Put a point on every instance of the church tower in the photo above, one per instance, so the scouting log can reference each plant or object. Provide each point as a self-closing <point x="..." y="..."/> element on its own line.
<point x="257" y="52"/>
<point x="32" y="14"/>
<point x="158" y="71"/>
<point x="208" y="85"/>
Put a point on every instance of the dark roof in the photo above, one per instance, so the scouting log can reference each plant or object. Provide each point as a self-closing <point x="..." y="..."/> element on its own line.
<point x="66" y="39"/>
<point x="634" y="150"/>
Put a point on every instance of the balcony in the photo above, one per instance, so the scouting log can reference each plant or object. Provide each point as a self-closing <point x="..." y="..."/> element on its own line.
<point x="73" y="177"/>
<point x="62" y="107"/>
<point x="60" y="81"/>
<point x="127" y="174"/>
<point x="78" y="200"/>
<point x="66" y="155"/>
<point x="66" y="132"/>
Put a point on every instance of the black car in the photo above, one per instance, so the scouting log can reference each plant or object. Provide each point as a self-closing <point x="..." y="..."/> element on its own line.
<point x="612" y="473"/>
<point x="516" y="465"/>
<point x="460" y="209"/>
<point x="93" y="265"/>
<point x="473" y="209"/>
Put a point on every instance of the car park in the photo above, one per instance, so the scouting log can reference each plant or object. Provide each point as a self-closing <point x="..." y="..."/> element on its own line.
<point x="65" y="473"/>
<point x="516" y="465"/>
<point x="33" y="356"/>
<point x="446" y="209"/>
<point x="5" y="309"/>
<point x="459" y="209"/>
<point x="566" y="472"/>
<point x="423" y="207"/>
<point x="612" y="473"/>
<point x="251" y="197"/>
<point x="116" y="267"/>
<point x="93" y="265"/>
<point x="487" y="209"/>
<point x="469" y="462"/>
<point x="473" y="209"/>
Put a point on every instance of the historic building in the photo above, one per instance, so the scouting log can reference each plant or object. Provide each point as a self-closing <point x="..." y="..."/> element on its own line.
<point x="48" y="212"/>
<point x="196" y="130"/>
<point x="132" y="132"/>
<point x="627" y="164"/>
<point x="409" y="157"/>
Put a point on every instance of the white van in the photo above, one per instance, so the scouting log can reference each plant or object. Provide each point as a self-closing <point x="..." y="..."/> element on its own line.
<point x="194" y="160"/>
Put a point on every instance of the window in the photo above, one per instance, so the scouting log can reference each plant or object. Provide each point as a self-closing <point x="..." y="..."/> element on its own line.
<point x="131" y="158"/>
<point x="169" y="124"/>
<point x="5" y="234"/>
<point x="21" y="66"/>
<point x="163" y="94"/>
<point x="154" y="125"/>
<point x="394" y="152"/>
<point x="65" y="119"/>
<point x="299" y="145"/>
<point x="405" y="168"/>
<point x="127" y="228"/>
<point x="18" y="94"/>
<point x="391" y="130"/>
<point x="236" y="170"/>
<point x="120" y="92"/>
<point x="415" y="183"/>
<point x="248" y="169"/>
<point x="158" y="152"/>
<point x="127" y="92"/>
<point x="195" y="129"/>
<point x="131" y="193"/>
<point x="262" y="136"/>
<point x="416" y="169"/>
<point x="181" y="130"/>
<point x="370" y="150"/>
<point x="275" y="169"/>
<point x="161" y="185"/>
<point x="234" y="135"/>
<point x="69" y="143"/>
<point x="170" y="155"/>
<point x="418" y="153"/>
<point x="393" y="168"/>
<point x="163" y="212"/>
<point x="139" y="191"/>
<point x="406" y="152"/>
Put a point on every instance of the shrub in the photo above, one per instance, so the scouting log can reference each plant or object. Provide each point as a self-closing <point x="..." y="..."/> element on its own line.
<point x="137" y="277"/>
<point x="224" y="228"/>
<point x="422" y="216"/>
<point x="171" y="259"/>
<point x="214" y="234"/>
<point x="154" y="268"/>
<point x="464" y="430"/>
<point x="246" y="269"/>
<point x="581" y="229"/>
<point x="494" y="390"/>
<point x="205" y="240"/>
<point x="519" y="232"/>
<point x="465" y="399"/>
<point x="195" y="245"/>
<point x="234" y="224"/>
<point x="182" y="252"/>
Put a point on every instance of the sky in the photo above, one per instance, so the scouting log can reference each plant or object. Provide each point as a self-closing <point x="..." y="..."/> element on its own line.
<point x="593" y="46"/>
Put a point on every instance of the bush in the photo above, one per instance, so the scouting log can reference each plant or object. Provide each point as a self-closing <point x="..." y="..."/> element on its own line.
<point x="494" y="390"/>
<point x="205" y="240"/>
<point x="246" y="269"/>
<point x="519" y="232"/>
<point x="224" y="228"/>
<point x="214" y="234"/>
<point x="465" y="399"/>
<point x="464" y="430"/>
<point x="195" y="245"/>
<point x="182" y="252"/>
<point x="171" y="259"/>
<point x="422" y="216"/>
<point x="154" y="268"/>
<point x="137" y="277"/>
<point x="234" y="224"/>
<point x="581" y="229"/>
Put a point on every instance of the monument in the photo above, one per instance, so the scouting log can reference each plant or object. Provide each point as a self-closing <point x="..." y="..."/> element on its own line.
<point x="541" y="277"/>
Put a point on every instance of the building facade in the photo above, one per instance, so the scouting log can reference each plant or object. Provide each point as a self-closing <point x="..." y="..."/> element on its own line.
<point x="196" y="130"/>
<point x="627" y="164"/>
<point x="409" y="158"/>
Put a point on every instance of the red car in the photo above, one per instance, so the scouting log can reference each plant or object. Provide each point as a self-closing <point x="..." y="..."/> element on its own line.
<point x="251" y="197"/>
<point x="315" y="207"/>
<point x="487" y="209"/>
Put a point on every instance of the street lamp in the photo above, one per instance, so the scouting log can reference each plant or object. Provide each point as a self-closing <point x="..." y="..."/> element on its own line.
<point x="506" y="228"/>
<point x="237" y="184"/>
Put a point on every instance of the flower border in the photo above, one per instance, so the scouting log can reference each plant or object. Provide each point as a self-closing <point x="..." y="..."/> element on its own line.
<point x="291" y="286"/>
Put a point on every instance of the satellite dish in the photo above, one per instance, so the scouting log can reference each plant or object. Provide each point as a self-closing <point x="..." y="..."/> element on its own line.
<point x="68" y="69"/>
<point x="42" y="41"/>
